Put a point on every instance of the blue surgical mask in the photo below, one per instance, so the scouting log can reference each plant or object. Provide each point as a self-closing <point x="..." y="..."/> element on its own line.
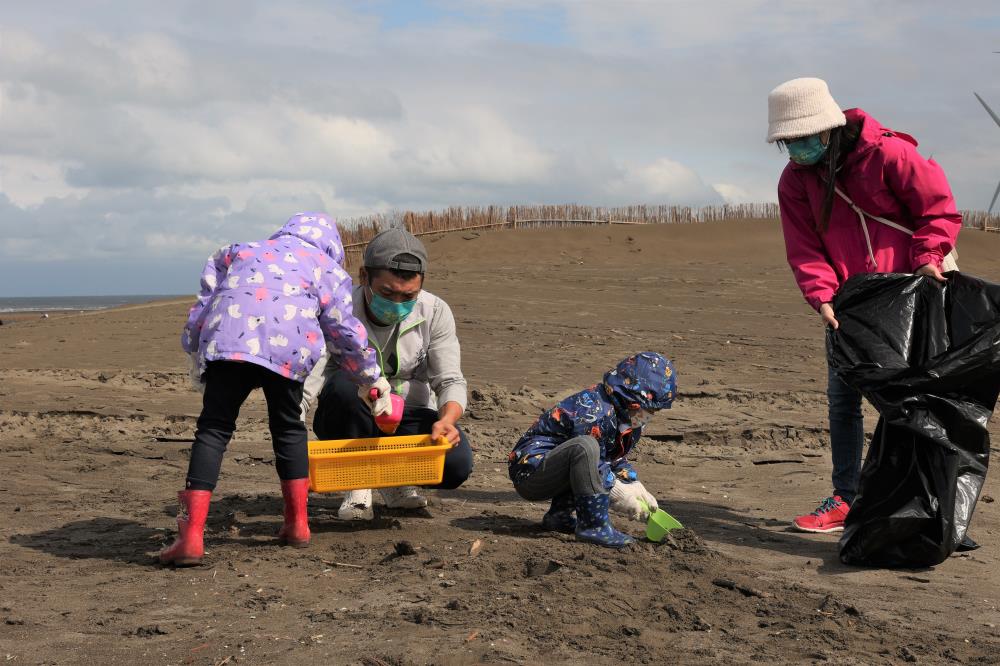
<point x="807" y="151"/>
<point x="389" y="312"/>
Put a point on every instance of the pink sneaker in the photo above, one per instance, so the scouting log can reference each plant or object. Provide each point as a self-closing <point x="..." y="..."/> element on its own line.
<point x="828" y="517"/>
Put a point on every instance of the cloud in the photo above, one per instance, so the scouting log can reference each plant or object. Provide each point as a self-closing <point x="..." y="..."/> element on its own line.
<point x="185" y="125"/>
<point x="31" y="180"/>
<point x="755" y="185"/>
<point x="734" y="194"/>
<point x="145" y="126"/>
<point x="663" y="181"/>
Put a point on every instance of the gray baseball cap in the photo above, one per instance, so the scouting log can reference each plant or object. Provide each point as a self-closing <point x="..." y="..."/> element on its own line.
<point x="384" y="250"/>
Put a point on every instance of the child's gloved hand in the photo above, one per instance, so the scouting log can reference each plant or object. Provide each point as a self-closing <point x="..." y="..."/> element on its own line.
<point x="625" y="500"/>
<point x="194" y="372"/>
<point x="383" y="403"/>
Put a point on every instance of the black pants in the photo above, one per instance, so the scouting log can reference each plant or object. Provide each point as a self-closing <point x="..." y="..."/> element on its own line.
<point x="227" y="386"/>
<point x="341" y="414"/>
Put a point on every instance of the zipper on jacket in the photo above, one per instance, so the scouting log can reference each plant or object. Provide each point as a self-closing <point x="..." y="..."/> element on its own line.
<point x="380" y="355"/>
<point x="399" y="335"/>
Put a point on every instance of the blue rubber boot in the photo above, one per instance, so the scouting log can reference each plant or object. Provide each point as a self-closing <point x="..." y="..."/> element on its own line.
<point x="593" y="525"/>
<point x="561" y="516"/>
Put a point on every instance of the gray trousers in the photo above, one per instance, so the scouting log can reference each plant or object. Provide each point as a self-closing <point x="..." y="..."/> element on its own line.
<point x="571" y="467"/>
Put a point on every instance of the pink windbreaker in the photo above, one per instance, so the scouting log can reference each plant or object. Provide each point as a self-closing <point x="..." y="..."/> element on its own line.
<point x="885" y="176"/>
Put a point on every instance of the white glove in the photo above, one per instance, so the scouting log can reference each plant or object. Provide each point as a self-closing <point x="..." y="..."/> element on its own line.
<point x="194" y="372"/>
<point x="382" y="404"/>
<point x="625" y="500"/>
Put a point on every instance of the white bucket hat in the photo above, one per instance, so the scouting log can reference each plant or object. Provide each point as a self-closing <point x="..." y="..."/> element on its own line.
<point x="801" y="107"/>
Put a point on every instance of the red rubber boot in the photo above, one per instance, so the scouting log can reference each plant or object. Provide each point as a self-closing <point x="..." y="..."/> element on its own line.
<point x="189" y="547"/>
<point x="295" y="531"/>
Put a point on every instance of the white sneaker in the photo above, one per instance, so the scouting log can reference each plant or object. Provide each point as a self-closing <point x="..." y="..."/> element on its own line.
<point x="357" y="505"/>
<point x="403" y="497"/>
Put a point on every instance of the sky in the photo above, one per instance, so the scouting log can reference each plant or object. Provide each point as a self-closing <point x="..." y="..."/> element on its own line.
<point x="136" y="137"/>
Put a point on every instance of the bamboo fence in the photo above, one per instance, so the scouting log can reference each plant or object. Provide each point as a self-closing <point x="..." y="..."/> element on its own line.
<point x="356" y="232"/>
<point x="980" y="219"/>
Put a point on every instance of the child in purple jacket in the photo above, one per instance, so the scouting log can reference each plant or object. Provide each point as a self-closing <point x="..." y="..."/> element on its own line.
<point x="265" y="313"/>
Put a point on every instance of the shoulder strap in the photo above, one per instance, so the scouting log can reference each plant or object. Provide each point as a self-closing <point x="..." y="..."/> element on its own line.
<point x="950" y="261"/>
<point x="888" y="223"/>
<point x="864" y="226"/>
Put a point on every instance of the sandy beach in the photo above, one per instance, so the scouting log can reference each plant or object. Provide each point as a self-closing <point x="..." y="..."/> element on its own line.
<point x="10" y="318"/>
<point x="96" y="419"/>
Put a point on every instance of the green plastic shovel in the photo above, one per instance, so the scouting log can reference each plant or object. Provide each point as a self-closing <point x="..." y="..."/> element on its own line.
<point x="660" y="522"/>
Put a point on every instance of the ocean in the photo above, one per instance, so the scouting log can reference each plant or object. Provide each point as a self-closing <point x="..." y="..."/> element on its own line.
<point x="74" y="303"/>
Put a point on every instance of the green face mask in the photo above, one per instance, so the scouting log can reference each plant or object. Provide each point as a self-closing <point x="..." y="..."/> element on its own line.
<point x="386" y="311"/>
<point x="807" y="151"/>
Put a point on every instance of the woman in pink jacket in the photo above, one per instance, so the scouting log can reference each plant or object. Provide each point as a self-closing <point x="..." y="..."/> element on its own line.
<point x="855" y="197"/>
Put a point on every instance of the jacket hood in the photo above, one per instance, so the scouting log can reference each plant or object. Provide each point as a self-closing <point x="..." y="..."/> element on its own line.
<point x="873" y="133"/>
<point x="317" y="229"/>
<point x="645" y="380"/>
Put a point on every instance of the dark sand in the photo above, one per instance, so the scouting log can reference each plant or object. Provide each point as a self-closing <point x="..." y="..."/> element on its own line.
<point x="95" y="411"/>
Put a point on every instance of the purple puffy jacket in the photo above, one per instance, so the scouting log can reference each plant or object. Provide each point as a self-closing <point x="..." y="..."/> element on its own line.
<point x="278" y="302"/>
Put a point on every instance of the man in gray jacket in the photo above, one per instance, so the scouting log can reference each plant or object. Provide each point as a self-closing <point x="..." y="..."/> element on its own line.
<point x="413" y="333"/>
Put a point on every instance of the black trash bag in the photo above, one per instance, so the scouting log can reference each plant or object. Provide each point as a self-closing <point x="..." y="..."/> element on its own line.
<point x="927" y="356"/>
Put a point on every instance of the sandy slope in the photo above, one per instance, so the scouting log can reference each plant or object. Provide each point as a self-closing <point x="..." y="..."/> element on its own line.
<point x="94" y="412"/>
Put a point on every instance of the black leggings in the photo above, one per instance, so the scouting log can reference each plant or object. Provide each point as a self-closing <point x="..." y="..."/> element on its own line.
<point x="227" y="386"/>
<point x="340" y="414"/>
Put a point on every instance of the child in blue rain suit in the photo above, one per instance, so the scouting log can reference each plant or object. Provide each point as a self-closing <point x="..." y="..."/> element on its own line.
<point x="574" y="454"/>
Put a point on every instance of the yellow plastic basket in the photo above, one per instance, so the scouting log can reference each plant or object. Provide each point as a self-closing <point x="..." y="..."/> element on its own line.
<point x="378" y="462"/>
